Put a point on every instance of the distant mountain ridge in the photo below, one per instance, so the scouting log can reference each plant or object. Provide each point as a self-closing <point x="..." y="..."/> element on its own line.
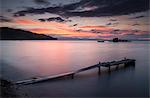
<point x="7" y="33"/>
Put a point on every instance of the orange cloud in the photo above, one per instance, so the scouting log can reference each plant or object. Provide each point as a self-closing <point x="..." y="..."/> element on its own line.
<point x="40" y="30"/>
<point x="28" y="22"/>
<point x="59" y="28"/>
<point x="66" y="32"/>
<point x="96" y="27"/>
<point x="25" y="21"/>
<point x="49" y="31"/>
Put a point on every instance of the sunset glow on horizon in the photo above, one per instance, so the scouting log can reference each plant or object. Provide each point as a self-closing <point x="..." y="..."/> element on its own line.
<point x="42" y="20"/>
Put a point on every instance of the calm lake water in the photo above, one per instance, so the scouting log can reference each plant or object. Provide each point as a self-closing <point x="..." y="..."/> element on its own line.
<point x="27" y="59"/>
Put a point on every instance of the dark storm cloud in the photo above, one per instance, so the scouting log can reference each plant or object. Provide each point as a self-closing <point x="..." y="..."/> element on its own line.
<point x="108" y="24"/>
<point x="81" y="30"/>
<point x="42" y="20"/>
<point x="75" y="24"/>
<point x="5" y="19"/>
<point x="112" y="24"/>
<point x="91" y="8"/>
<point x="116" y="30"/>
<point x="97" y="31"/>
<point x="37" y="11"/>
<point x="29" y="10"/>
<point x="137" y="17"/>
<point x="132" y="33"/>
<point x="56" y="19"/>
<point x="93" y="31"/>
<point x="43" y="2"/>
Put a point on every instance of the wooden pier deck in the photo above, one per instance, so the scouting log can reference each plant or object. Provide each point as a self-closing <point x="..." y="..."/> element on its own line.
<point x="126" y="62"/>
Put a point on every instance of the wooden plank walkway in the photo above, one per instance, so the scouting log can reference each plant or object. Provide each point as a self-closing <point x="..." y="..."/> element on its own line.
<point x="126" y="62"/>
<point x="36" y="80"/>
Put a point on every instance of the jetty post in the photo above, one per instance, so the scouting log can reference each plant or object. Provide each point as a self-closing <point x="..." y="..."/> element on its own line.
<point x="133" y="63"/>
<point x="72" y="76"/>
<point x="99" y="68"/>
<point x="117" y="66"/>
<point x="109" y="68"/>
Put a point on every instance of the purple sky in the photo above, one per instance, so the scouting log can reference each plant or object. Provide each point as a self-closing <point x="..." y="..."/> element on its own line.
<point x="79" y="18"/>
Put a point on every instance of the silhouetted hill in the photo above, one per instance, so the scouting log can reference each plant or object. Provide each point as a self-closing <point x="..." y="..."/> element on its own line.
<point x="18" y="34"/>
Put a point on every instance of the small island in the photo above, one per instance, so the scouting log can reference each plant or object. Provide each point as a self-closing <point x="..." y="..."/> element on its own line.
<point x="119" y="40"/>
<point x="18" y="34"/>
<point x="114" y="40"/>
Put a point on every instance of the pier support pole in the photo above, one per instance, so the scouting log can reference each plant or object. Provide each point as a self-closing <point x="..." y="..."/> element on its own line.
<point x="72" y="76"/>
<point x="109" y="69"/>
<point x="117" y="66"/>
<point x="99" y="68"/>
<point x="133" y="63"/>
<point x="126" y="64"/>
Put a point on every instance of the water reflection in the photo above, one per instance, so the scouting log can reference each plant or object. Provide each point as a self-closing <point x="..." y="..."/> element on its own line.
<point x="44" y="58"/>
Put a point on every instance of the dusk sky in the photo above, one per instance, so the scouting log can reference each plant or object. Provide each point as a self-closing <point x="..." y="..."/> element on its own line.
<point x="103" y="19"/>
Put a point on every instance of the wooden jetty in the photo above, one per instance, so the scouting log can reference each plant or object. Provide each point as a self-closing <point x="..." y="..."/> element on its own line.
<point x="126" y="62"/>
